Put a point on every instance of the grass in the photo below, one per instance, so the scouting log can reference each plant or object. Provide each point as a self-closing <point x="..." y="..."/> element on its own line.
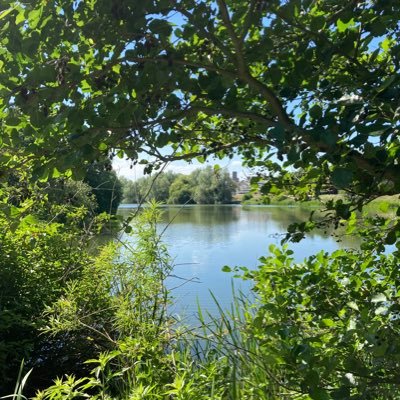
<point x="281" y="201"/>
<point x="381" y="205"/>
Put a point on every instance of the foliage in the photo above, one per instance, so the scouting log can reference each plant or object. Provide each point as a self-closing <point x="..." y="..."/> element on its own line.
<point x="125" y="312"/>
<point x="314" y="83"/>
<point x="38" y="258"/>
<point x="202" y="186"/>
<point x="329" y="326"/>
<point x="181" y="191"/>
<point x="59" y="199"/>
<point x="149" y="188"/>
<point x="106" y="187"/>
<point x="311" y="84"/>
<point x="66" y="201"/>
<point x="70" y="192"/>
<point x="19" y="386"/>
<point x="212" y="186"/>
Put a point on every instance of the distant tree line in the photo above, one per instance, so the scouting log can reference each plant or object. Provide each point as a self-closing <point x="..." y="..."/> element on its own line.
<point x="202" y="186"/>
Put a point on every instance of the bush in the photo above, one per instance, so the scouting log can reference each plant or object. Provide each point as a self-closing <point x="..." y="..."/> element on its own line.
<point x="247" y="196"/>
<point x="37" y="262"/>
<point x="141" y="352"/>
<point x="328" y="327"/>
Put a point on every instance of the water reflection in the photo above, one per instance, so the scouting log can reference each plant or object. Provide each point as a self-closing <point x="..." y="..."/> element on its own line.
<point x="202" y="239"/>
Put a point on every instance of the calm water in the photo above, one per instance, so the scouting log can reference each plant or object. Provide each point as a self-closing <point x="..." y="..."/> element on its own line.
<point x="202" y="239"/>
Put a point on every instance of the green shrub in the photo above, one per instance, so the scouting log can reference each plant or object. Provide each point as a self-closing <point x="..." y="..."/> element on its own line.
<point x="247" y="196"/>
<point x="37" y="262"/>
<point x="328" y="327"/>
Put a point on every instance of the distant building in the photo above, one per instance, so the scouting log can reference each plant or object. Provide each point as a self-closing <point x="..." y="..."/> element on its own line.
<point x="243" y="187"/>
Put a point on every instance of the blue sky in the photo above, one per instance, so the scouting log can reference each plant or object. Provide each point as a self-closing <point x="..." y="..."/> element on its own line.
<point x="122" y="167"/>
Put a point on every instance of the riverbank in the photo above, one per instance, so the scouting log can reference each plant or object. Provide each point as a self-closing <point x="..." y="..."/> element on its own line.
<point x="383" y="204"/>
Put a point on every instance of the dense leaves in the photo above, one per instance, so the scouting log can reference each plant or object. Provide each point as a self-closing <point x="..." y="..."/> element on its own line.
<point x="316" y="83"/>
<point x="38" y="259"/>
<point x="289" y="85"/>
<point x="202" y="186"/>
<point x="329" y="326"/>
<point x="151" y="187"/>
<point x="105" y="187"/>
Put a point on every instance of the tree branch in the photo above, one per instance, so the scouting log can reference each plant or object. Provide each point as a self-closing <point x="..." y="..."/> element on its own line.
<point x="189" y="156"/>
<point x="237" y="43"/>
<point x="236" y="114"/>
<point x="186" y="63"/>
<point x="272" y="99"/>
<point x="214" y="39"/>
<point x="248" y="20"/>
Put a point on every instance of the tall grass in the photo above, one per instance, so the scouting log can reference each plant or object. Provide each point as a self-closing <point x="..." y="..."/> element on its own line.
<point x="120" y="306"/>
<point x="20" y="385"/>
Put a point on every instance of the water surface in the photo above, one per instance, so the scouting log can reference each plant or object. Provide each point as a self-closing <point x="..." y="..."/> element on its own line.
<point x="202" y="239"/>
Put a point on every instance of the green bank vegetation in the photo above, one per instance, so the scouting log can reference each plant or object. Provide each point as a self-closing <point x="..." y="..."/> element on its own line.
<point x="202" y="186"/>
<point x="380" y="205"/>
<point x="108" y="323"/>
<point x="296" y="85"/>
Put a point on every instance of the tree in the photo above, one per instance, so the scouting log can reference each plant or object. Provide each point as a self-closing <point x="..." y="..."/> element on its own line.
<point x="202" y="186"/>
<point x="212" y="187"/>
<point x="181" y="191"/>
<point x="106" y="187"/>
<point x="149" y="188"/>
<point x="315" y="83"/>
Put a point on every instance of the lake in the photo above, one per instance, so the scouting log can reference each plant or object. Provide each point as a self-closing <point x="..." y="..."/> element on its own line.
<point x="202" y="239"/>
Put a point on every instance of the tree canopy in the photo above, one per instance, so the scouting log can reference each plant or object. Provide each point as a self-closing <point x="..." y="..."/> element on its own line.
<point x="202" y="186"/>
<point x="314" y="82"/>
<point x="305" y="91"/>
<point x="106" y="187"/>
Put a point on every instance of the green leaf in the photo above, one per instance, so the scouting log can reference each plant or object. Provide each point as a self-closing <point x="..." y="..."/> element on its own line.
<point x="381" y="310"/>
<point x="344" y="26"/>
<point x="317" y="23"/>
<point x="4" y="13"/>
<point x="116" y="68"/>
<point x="315" y="111"/>
<point x="34" y="17"/>
<point x="277" y="133"/>
<point x="29" y="220"/>
<point x="391" y="237"/>
<point x="319" y="394"/>
<point x="341" y="394"/>
<point x="160" y="26"/>
<point x="20" y="17"/>
<point x="342" y="177"/>
<point x="386" y="83"/>
<point x="378" y="27"/>
<point x="378" y="298"/>
<point x="226" y="268"/>
<point x="120" y="154"/>
<point x="55" y="173"/>
<point x="328" y="322"/>
<point x="353" y="305"/>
